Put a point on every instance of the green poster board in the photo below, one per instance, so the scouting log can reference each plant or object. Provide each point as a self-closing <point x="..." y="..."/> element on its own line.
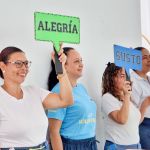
<point x="56" y="28"/>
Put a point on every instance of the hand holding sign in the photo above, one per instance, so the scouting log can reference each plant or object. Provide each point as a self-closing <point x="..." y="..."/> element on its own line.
<point x="58" y="65"/>
<point x="128" y="58"/>
<point x="57" y="29"/>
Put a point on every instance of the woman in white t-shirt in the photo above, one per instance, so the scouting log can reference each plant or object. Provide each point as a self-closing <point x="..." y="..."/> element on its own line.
<point x="121" y="117"/>
<point x="23" y="122"/>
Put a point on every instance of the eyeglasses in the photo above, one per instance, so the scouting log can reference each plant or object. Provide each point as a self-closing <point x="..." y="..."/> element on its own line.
<point x="20" y="63"/>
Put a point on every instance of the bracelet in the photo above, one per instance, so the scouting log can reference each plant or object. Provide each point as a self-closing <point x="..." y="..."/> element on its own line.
<point x="59" y="76"/>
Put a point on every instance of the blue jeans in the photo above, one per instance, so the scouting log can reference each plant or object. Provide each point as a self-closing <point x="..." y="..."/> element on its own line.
<point x="112" y="146"/>
<point x="84" y="144"/>
<point x="43" y="146"/>
<point x="144" y="131"/>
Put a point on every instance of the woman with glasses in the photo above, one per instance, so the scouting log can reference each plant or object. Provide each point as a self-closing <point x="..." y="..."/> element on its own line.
<point x="140" y="93"/>
<point x="121" y="116"/>
<point x="23" y="123"/>
<point x="73" y="127"/>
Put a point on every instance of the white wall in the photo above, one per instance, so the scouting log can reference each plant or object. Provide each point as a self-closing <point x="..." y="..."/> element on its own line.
<point x="103" y="23"/>
<point x="145" y="22"/>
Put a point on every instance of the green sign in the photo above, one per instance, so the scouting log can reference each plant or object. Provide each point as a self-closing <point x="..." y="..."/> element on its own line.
<point x="56" y="28"/>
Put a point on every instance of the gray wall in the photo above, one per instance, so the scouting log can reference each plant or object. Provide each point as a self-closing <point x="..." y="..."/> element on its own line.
<point x="103" y="23"/>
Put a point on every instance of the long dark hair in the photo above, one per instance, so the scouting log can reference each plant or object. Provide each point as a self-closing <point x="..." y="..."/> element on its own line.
<point x="108" y="79"/>
<point x="5" y="55"/>
<point x="52" y="78"/>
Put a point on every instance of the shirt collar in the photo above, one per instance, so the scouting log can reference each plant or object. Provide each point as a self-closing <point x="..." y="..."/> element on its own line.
<point x="135" y="75"/>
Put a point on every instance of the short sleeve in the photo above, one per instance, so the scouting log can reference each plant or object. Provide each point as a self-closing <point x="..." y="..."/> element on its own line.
<point x="43" y="93"/>
<point x="110" y="103"/>
<point x="40" y="93"/>
<point x="57" y="113"/>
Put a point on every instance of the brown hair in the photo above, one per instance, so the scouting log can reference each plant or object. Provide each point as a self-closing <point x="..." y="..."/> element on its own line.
<point x="108" y="82"/>
<point x="5" y="55"/>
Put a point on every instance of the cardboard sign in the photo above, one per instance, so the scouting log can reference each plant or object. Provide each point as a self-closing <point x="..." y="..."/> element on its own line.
<point x="128" y="58"/>
<point x="57" y="28"/>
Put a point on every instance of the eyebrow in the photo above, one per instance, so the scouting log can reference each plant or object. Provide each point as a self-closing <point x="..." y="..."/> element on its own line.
<point x="78" y="59"/>
<point x="145" y="55"/>
<point x="122" y="74"/>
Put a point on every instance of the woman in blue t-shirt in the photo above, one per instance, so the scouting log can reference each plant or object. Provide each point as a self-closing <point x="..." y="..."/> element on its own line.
<point x="72" y="128"/>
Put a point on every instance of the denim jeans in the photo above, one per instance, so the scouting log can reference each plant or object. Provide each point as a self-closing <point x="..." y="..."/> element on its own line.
<point x="144" y="131"/>
<point x="43" y="146"/>
<point x="112" y="146"/>
<point x="84" y="144"/>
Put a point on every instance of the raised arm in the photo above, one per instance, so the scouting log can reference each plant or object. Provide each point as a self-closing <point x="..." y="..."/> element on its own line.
<point x="121" y="116"/>
<point x="64" y="98"/>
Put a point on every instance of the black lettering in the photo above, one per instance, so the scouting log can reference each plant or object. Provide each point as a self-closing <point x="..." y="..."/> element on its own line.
<point x="65" y="27"/>
<point x="133" y="58"/>
<point x="118" y="55"/>
<point x="40" y="26"/>
<point x="74" y="29"/>
<point x="53" y="25"/>
<point x="70" y="26"/>
<point x="127" y="58"/>
<point x="46" y="26"/>
<point x="138" y="59"/>
<point x="59" y="27"/>
<point x="123" y="56"/>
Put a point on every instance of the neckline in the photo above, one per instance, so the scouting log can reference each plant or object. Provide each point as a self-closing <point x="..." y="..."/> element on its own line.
<point x="140" y="77"/>
<point x="14" y="98"/>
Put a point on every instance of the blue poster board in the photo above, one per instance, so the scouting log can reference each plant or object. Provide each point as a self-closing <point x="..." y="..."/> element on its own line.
<point x="128" y="58"/>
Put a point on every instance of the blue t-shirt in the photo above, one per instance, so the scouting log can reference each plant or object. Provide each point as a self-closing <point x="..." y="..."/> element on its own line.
<point x="78" y="120"/>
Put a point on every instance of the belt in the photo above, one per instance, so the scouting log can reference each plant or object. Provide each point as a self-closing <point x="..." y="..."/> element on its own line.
<point x="38" y="147"/>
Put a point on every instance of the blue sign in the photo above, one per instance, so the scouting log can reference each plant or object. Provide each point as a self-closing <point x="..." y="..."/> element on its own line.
<point x="127" y="58"/>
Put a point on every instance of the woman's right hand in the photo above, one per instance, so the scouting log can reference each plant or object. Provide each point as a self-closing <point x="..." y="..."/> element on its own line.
<point x="62" y="57"/>
<point x="127" y="88"/>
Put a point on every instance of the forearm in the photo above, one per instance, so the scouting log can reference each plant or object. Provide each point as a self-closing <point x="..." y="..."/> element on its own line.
<point x="56" y="141"/>
<point x="121" y="115"/>
<point x="124" y="112"/>
<point x="65" y="89"/>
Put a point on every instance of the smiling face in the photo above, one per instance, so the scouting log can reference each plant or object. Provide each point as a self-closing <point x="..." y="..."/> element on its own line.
<point x="74" y="64"/>
<point x="13" y="73"/>
<point x="145" y="61"/>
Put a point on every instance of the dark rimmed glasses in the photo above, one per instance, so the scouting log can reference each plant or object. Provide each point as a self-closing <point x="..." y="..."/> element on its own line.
<point x="20" y="63"/>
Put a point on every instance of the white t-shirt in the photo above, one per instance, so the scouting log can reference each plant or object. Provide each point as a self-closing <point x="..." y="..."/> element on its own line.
<point x="123" y="134"/>
<point x="23" y="122"/>
<point x="140" y="90"/>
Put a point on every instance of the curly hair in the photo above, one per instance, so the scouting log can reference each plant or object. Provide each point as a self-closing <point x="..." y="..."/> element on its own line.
<point x="108" y="82"/>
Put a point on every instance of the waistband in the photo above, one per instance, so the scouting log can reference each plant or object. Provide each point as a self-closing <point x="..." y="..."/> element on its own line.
<point x="71" y="141"/>
<point x="38" y="147"/>
<point x="146" y="121"/>
<point x="118" y="146"/>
